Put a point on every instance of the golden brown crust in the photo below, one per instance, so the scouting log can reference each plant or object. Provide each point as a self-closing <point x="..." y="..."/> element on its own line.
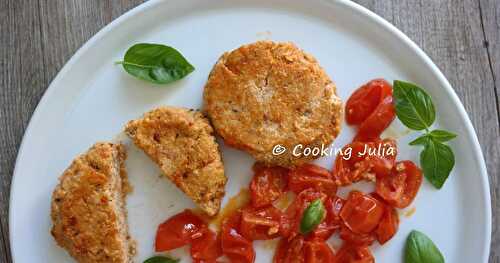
<point x="267" y="93"/>
<point x="88" y="207"/>
<point x="181" y="142"/>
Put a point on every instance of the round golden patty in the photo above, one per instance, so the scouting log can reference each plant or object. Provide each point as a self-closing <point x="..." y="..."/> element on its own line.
<point x="266" y="94"/>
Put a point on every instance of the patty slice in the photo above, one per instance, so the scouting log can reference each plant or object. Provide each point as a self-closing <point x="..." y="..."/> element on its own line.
<point x="266" y="94"/>
<point x="181" y="142"/>
<point x="88" y="207"/>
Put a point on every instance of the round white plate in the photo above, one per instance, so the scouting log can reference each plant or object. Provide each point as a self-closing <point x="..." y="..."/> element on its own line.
<point x="91" y="99"/>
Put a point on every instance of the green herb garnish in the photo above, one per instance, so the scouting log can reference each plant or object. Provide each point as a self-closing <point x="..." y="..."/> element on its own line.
<point x="416" y="111"/>
<point x="161" y="259"/>
<point x="420" y="249"/>
<point x="312" y="217"/>
<point x="155" y="63"/>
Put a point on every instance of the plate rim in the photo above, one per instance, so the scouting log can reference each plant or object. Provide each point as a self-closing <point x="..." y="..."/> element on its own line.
<point x="356" y="8"/>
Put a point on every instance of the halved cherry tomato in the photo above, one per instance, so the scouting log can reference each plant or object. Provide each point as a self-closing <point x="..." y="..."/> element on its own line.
<point x="364" y="160"/>
<point x="377" y="122"/>
<point x="290" y="251"/>
<point x="344" y="169"/>
<point x="296" y="209"/>
<point x="237" y="248"/>
<point x="401" y="186"/>
<point x="361" y="213"/>
<point x="365" y="99"/>
<point x="206" y="248"/>
<point x="354" y="238"/>
<point x="350" y="253"/>
<point x="179" y="231"/>
<point x="267" y="185"/>
<point x="261" y="224"/>
<point x="332" y="222"/>
<point x="382" y="164"/>
<point x="311" y="176"/>
<point x="388" y="225"/>
<point x="318" y="251"/>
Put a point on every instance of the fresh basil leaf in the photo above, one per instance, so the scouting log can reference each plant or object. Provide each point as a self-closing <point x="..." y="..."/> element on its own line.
<point x="414" y="106"/>
<point x="442" y="135"/>
<point x="312" y="217"/>
<point x="420" y="249"/>
<point x="161" y="259"/>
<point x="437" y="161"/>
<point x="155" y="63"/>
<point x="422" y="140"/>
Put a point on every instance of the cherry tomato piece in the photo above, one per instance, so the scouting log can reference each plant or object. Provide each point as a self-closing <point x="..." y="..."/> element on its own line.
<point x="354" y="238"/>
<point x="377" y="122"/>
<point x="361" y="213"/>
<point x="261" y="224"/>
<point x="401" y="186"/>
<point x="364" y="160"/>
<point x="345" y="170"/>
<point x="179" y="231"/>
<point x="311" y="176"/>
<point x="332" y="222"/>
<point x="318" y="251"/>
<point x="206" y="248"/>
<point x="234" y="246"/>
<point x="388" y="225"/>
<point x="267" y="185"/>
<point x="350" y="253"/>
<point x="365" y="99"/>
<point x="296" y="209"/>
<point x="290" y="251"/>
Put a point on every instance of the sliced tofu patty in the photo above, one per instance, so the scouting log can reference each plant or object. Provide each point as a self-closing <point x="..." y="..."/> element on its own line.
<point x="181" y="142"/>
<point x="266" y="94"/>
<point x="88" y="207"/>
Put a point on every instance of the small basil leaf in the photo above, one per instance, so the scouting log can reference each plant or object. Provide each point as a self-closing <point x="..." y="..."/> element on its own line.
<point x="421" y="249"/>
<point x="312" y="217"/>
<point x="414" y="106"/>
<point x="422" y="140"/>
<point x="155" y="63"/>
<point x="437" y="161"/>
<point x="442" y="135"/>
<point x="161" y="259"/>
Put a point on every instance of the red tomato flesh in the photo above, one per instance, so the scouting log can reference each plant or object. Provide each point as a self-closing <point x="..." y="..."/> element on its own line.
<point x="311" y="176"/>
<point x="179" y="231"/>
<point x="364" y="160"/>
<point x="361" y="213"/>
<point x="296" y="209"/>
<point x="377" y="122"/>
<point x="350" y="253"/>
<point x="261" y="224"/>
<point x="354" y="238"/>
<point x="290" y="251"/>
<point x="401" y="186"/>
<point x="388" y="225"/>
<point x="365" y="99"/>
<point x="267" y="185"/>
<point x="206" y="248"/>
<point x="318" y="251"/>
<point x="234" y="246"/>
<point x="332" y="221"/>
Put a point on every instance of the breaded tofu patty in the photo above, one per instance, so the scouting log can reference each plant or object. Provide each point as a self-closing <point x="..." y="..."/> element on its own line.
<point x="181" y="142"/>
<point x="266" y="93"/>
<point x="88" y="207"/>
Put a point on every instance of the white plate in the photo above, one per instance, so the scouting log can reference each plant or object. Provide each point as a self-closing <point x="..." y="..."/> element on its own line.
<point x="91" y="99"/>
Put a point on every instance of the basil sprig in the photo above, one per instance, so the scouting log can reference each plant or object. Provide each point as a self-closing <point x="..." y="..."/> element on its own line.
<point x="312" y="217"/>
<point x="416" y="111"/>
<point x="155" y="63"/>
<point x="161" y="259"/>
<point x="420" y="249"/>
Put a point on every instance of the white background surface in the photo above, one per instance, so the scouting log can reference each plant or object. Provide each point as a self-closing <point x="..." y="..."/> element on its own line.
<point x="92" y="99"/>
